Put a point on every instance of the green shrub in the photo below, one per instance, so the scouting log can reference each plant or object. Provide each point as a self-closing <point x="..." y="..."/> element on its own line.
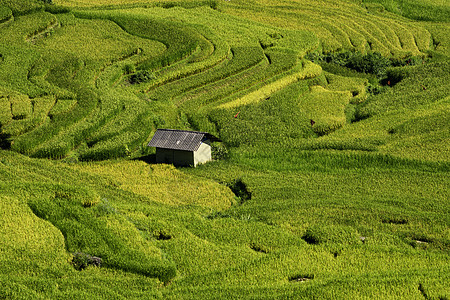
<point x="395" y="75"/>
<point x="128" y="69"/>
<point x="370" y="63"/>
<point x="375" y="89"/>
<point x="141" y="76"/>
<point x="219" y="151"/>
<point x="81" y="261"/>
<point x="373" y="63"/>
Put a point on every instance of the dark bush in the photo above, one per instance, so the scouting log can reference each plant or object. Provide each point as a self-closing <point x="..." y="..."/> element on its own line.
<point x="258" y="248"/>
<point x="375" y="89"/>
<point x="239" y="188"/>
<point x="395" y="75"/>
<point x="408" y="61"/>
<point x="162" y="235"/>
<point x="219" y="151"/>
<point x="141" y="76"/>
<point x="81" y="261"/>
<point x="213" y="4"/>
<point x="371" y="63"/>
<point x="128" y="69"/>
<point x="5" y="141"/>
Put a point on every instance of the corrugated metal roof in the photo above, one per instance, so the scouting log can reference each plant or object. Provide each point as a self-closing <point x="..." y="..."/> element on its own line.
<point x="180" y="139"/>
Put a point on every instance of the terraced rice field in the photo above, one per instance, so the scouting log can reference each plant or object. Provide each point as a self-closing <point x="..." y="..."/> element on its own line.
<point x="205" y="62"/>
<point x="331" y="181"/>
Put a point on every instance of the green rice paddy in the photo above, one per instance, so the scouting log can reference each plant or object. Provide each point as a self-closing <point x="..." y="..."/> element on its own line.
<point x="331" y="181"/>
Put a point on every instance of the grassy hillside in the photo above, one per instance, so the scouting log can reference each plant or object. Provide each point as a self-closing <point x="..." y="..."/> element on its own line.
<point x="331" y="181"/>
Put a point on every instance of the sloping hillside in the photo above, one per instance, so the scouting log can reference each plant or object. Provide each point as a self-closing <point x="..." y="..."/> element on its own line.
<point x="331" y="181"/>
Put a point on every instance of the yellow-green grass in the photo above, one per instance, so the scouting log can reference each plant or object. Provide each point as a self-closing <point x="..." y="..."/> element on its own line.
<point x="158" y="183"/>
<point x="227" y="87"/>
<point x="5" y="14"/>
<point x="14" y="69"/>
<point x="26" y="114"/>
<point x="62" y="105"/>
<point x="360" y="212"/>
<point x="236" y="31"/>
<point x="99" y="40"/>
<point x="203" y="15"/>
<point x="27" y="239"/>
<point x="357" y="86"/>
<point x="87" y="3"/>
<point x="275" y="198"/>
<point x="343" y="22"/>
<point x="309" y="70"/>
<point x="429" y="10"/>
<point x="42" y="106"/>
<point x="271" y="120"/>
<point x="416" y="134"/>
<point x="65" y="208"/>
<point x="21" y="107"/>
<point x="62" y="43"/>
<point x="120" y="118"/>
<point x="22" y="7"/>
<point x="181" y="63"/>
<point x="24" y="27"/>
<point x="326" y="108"/>
<point x="259" y="243"/>
<point x="356" y="201"/>
<point x="418" y="85"/>
<point x="5" y="111"/>
<point x="431" y="146"/>
<point x="18" y="127"/>
<point x="117" y="145"/>
<point x="440" y="37"/>
<point x="61" y="142"/>
<point x="134" y="178"/>
<point x="84" y="3"/>
<point x="199" y="62"/>
<point x="244" y="59"/>
<point x="238" y="77"/>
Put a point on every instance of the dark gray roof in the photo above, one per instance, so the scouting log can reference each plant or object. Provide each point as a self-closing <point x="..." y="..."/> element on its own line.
<point x="180" y="139"/>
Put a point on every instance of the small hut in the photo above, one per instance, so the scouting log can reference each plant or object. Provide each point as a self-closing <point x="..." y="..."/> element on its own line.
<point x="182" y="147"/>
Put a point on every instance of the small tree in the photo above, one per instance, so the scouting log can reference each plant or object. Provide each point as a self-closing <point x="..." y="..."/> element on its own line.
<point x="141" y="76"/>
<point x="373" y="63"/>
